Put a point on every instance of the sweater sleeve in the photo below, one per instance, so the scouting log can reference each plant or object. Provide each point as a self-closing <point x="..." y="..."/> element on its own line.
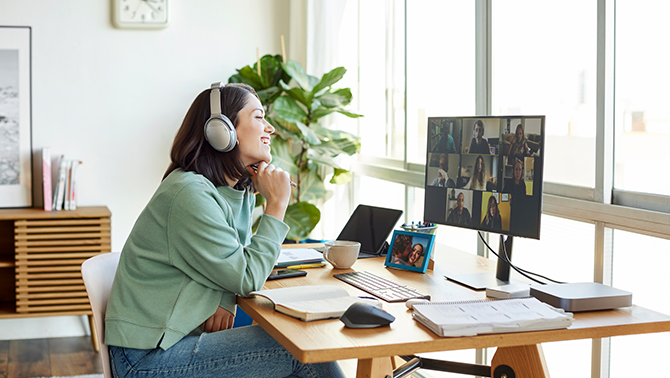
<point x="203" y="242"/>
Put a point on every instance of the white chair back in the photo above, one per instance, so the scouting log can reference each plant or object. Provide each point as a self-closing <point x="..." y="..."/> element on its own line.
<point x="98" y="274"/>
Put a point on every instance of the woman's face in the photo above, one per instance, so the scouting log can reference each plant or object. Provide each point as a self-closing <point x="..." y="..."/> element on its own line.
<point x="492" y="208"/>
<point x="519" y="133"/>
<point x="479" y="132"/>
<point x="478" y="165"/>
<point x="253" y="133"/>
<point x="416" y="253"/>
<point x="518" y="171"/>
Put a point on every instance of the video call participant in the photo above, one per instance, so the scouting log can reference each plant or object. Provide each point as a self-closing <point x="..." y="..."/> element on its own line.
<point x="478" y="179"/>
<point x="521" y="205"/>
<point x="519" y="147"/>
<point x="445" y="142"/>
<point x="516" y="185"/>
<point x="192" y="250"/>
<point x="459" y="214"/>
<point x="442" y="179"/>
<point x="479" y="145"/>
<point x="492" y="220"/>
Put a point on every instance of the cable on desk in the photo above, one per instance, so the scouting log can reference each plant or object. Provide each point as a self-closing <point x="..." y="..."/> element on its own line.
<point x="523" y="272"/>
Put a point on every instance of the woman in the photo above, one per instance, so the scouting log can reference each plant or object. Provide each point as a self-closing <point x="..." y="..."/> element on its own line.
<point x="416" y="255"/>
<point x="191" y="251"/>
<point x="492" y="220"/>
<point x="478" y="144"/>
<point x="516" y="185"/>
<point x="519" y="147"/>
<point x="478" y="179"/>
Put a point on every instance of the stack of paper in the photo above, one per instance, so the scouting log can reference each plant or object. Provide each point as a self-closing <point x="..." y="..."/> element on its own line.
<point x="469" y="318"/>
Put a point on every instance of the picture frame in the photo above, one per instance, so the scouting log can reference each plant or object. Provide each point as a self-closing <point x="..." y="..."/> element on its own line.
<point x="15" y="117"/>
<point x="403" y="250"/>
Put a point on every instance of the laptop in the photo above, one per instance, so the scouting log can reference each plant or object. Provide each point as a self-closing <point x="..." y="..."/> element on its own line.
<point x="370" y="226"/>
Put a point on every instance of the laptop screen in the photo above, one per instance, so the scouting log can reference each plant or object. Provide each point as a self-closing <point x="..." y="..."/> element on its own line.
<point x="370" y="226"/>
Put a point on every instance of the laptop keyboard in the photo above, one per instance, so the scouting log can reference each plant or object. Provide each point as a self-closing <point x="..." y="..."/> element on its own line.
<point x="388" y="290"/>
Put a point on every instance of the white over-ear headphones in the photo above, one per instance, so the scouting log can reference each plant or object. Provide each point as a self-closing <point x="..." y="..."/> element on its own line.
<point x="219" y="131"/>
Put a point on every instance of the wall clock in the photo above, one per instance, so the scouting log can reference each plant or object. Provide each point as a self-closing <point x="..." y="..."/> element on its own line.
<point x="140" y="14"/>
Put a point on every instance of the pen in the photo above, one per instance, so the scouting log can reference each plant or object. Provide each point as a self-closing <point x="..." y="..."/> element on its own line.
<point x="306" y="266"/>
<point x="255" y="168"/>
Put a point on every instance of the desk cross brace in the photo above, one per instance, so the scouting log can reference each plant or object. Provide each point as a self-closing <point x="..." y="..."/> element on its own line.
<point x="413" y="363"/>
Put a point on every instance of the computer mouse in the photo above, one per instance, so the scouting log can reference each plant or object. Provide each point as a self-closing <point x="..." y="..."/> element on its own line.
<point x="366" y="315"/>
<point x="411" y="302"/>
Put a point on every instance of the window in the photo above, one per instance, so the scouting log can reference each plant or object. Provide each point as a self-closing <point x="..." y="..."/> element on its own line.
<point x="595" y="73"/>
<point x="641" y="109"/>
<point x="544" y="62"/>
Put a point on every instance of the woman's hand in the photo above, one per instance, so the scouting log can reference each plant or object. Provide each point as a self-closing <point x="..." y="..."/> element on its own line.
<point x="221" y="320"/>
<point x="275" y="185"/>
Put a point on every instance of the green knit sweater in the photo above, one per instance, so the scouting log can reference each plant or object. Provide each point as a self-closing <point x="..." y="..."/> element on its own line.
<point x="190" y="251"/>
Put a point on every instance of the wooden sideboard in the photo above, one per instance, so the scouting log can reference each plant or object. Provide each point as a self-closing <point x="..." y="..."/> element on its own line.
<point x="41" y="253"/>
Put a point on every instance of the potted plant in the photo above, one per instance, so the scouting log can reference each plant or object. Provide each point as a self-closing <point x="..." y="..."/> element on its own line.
<point x="294" y="104"/>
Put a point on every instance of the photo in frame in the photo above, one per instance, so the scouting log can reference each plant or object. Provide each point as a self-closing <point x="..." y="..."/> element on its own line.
<point x="410" y="250"/>
<point x="15" y="117"/>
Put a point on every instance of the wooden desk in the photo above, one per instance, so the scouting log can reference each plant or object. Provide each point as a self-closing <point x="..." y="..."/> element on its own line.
<point x="329" y="340"/>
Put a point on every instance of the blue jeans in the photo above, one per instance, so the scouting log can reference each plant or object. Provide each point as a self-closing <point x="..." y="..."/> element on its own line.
<point x="238" y="352"/>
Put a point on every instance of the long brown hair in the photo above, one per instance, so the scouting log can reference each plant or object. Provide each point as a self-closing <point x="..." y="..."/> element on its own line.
<point x="192" y="153"/>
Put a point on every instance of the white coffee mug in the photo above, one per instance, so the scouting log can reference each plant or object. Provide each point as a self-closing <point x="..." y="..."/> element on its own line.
<point x="341" y="254"/>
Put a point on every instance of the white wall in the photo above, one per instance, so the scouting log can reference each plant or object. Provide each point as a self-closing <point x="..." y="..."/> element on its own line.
<point x="114" y="98"/>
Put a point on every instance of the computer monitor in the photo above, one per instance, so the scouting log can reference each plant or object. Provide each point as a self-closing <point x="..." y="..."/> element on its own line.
<point x="485" y="173"/>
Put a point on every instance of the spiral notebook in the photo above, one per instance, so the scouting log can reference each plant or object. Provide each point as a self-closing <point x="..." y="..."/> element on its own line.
<point x="470" y="318"/>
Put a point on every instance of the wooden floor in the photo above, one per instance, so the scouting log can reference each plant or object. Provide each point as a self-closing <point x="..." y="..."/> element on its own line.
<point x="48" y="357"/>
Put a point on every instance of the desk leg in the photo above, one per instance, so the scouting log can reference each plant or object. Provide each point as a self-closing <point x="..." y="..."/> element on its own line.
<point x="526" y="361"/>
<point x="378" y="367"/>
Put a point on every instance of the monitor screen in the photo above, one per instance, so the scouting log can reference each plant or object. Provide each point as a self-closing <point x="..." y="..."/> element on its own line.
<point x="485" y="173"/>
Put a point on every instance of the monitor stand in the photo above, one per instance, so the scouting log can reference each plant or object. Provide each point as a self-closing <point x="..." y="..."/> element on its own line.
<point x="480" y="281"/>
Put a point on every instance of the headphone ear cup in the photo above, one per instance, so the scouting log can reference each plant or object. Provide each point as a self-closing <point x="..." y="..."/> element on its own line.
<point x="220" y="133"/>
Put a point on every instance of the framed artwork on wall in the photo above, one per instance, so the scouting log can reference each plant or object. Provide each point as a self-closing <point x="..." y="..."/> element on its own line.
<point x="15" y="117"/>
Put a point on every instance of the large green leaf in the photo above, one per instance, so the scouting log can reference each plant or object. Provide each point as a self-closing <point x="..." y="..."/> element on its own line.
<point x="320" y="113"/>
<point x="301" y="217"/>
<point x="282" y="156"/>
<point x="329" y="79"/>
<point x="318" y="158"/>
<point x="338" y="146"/>
<point x="337" y="99"/>
<point x="285" y="129"/>
<point x="269" y="70"/>
<point x="287" y="108"/>
<point x="348" y="113"/>
<point x="312" y="187"/>
<point x="340" y="177"/>
<point x="269" y="95"/>
<point x="251" y="77"/>
<point x="298" y="74"/>
<point x="308" y="134"/>
<point x="305" y="97"/>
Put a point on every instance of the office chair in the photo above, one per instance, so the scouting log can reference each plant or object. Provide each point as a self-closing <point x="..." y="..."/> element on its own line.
<point x="98" y="274"/>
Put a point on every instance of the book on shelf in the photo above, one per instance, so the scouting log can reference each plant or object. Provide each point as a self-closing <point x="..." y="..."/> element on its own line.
<point x="65" y="191"/>
<point x="59" y="191"/>
<point x="295" y="256"/>
<point x="470" y="318"/>
<point x="313" y="302"/>
<point x="46" y="178"/>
